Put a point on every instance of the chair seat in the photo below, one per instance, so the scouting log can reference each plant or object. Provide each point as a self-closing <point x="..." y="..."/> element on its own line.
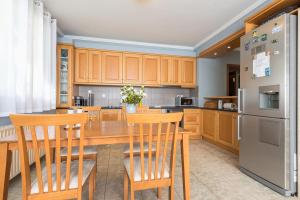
<point x="137" y="168"/>
<point x="88" y="166"/>
<point x="137" y="149"/>
<point x="75" y="151"/>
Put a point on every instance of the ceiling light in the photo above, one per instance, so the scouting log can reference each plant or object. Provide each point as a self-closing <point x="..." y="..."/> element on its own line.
<point x="228" y="47"/>
<point x="215" y="53"/>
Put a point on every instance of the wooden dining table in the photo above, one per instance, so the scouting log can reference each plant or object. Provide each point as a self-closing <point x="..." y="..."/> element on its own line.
<point x="96" y="133"/>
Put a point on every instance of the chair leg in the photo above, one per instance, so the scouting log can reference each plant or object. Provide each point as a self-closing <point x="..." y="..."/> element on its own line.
<point x="91" y="185"/>
<point x="158" y="193"/>
<point x="171" y="192"/>
<point x="131" y="192"/>
<point x="125" y="185"/>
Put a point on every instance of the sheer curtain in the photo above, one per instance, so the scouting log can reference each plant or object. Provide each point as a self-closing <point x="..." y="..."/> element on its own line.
<point x="27" y="57"/>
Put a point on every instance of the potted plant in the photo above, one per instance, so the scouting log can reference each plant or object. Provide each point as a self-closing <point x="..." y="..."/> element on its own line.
<point x="131" y="97"/>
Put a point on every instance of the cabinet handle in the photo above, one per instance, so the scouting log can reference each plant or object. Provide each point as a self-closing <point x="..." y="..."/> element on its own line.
<point x="238" y="127"/>
<point x="240" y="100"/>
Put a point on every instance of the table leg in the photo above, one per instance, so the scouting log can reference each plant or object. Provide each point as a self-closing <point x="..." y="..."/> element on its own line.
<point x="185" y="159"/>
<point x="5" y="156"/>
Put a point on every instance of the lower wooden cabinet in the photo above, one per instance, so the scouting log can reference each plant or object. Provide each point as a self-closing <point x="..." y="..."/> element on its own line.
<point x="210" y="123"/>
<point x="226" y="134"/>
<point x="192" y="121"/>
<point x="110" y="115"/>
<point x="218" y="127"/>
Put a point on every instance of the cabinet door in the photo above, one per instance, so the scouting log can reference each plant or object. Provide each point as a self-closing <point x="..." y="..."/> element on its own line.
<point x="166" y="70"/>
<point x="188" y="78"/>
<point x="132" y="68"/>
<point x="195" y="129"/>
<point x="151" y="70"/>
<point x="210" y="123"/>
<point x="176" y="71"/>
<point x="225" y="135"/>
<point x="95" y="66"/>
<point x="64" y="76"/>
<point x="111" y="67"/>
<point x="81" y="65"/>
<point x="110" y="115"/>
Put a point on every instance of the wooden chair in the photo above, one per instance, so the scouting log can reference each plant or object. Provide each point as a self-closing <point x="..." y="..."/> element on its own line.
<point x="91" y="151"/>
<point x="147" y="170"/>
<point x="136" y="146"/>
<point x="59" y="179"/>
<point x="93" y="111"/>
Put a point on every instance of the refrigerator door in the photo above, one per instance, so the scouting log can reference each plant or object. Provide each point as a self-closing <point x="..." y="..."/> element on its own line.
<point x="264" y="148"/>
<point x="265" y="70"/>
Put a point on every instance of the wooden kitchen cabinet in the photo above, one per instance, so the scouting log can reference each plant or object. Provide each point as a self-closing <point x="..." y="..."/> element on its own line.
<point x="81" y="65"/>
<point x="110" y="115"/>
<point x="188" y="72"/>
<point x="64" y="75"/>
<point x="226" y="134"/>
<point x="94" y="69"/>
<point x="151" y="70"/>
<point x="87" y="66"/>
<point x="192" y="120"/>
<point x="132" y="68"/>
<point x="112" y="67"/>
<point x="170" y="70"/>
<point x="210" y="124"/>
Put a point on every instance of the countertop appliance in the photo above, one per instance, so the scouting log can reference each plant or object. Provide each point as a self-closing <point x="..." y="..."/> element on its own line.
<point x="184" y="101"/>
<point x="79" y="101"/>
<point x="267" y="104"/>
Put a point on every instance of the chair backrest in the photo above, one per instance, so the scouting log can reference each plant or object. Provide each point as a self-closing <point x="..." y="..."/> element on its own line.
<point x="93" y="111"/>
<point x="151" y="129"/>
<point x="142" y="109"/>
<point x="46" y="132"/>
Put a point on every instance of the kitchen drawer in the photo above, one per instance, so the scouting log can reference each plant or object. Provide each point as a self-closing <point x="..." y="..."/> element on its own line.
<point x="192" y="111"/>
<point x="195" y="129"/>
<point x="192" y="118"/>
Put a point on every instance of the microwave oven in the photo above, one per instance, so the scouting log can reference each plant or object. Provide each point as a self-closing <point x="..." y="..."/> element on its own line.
<point x="185" y="101"/>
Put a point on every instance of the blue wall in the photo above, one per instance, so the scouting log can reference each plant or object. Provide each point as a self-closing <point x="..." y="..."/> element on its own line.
<point x="212" y="75"/>
<point x="127" y="47"/>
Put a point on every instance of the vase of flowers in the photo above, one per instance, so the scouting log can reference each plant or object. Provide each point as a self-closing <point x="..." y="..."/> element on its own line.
<point x="131" y="97"/>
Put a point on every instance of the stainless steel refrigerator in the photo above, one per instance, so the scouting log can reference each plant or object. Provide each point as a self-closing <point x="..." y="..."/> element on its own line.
<point x="267" y="104"/>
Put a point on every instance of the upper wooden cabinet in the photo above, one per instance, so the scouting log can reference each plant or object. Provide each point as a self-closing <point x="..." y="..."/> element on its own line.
<point x="117" y="68"/>
<point x="87" y="66"/>
<point x="94" y="66"/>
<point x="132" y="68"/>
<point x="188" y="78"/>
<point x="81" y="65"/>
<point x="112" y="67"/>
<point x="151" y="70"/>
<point x="170" y="70"/>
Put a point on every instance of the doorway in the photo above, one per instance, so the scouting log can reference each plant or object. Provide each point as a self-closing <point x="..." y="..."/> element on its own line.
<point x="233" y="79"/>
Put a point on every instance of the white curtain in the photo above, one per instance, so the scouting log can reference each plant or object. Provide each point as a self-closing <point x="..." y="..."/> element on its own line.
<point x="27" y="57"/>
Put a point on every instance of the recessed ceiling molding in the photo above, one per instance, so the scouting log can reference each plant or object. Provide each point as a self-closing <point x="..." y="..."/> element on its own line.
<point x="232" y="21"/>
<point x="94" y="39"/>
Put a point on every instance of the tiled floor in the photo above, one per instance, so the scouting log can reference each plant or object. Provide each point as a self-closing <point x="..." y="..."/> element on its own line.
<point x="214" y="176"/>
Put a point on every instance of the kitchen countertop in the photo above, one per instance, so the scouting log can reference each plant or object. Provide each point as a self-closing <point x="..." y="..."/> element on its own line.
<point x="174" y="107"/>
<point x="6" y="121"/>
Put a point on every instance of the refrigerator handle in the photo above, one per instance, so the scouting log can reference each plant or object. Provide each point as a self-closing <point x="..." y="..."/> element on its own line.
<point x="240" y="100"/>
<point x="238" y="127"/>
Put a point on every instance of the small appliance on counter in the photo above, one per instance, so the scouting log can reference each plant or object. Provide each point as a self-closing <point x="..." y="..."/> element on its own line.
<point x="180" y="100"/>
<point x="79" y="101"/>
<point x="90" y="99"/>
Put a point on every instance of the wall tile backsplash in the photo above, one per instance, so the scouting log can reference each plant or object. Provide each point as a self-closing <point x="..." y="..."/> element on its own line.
<point x="110" y="95"/>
